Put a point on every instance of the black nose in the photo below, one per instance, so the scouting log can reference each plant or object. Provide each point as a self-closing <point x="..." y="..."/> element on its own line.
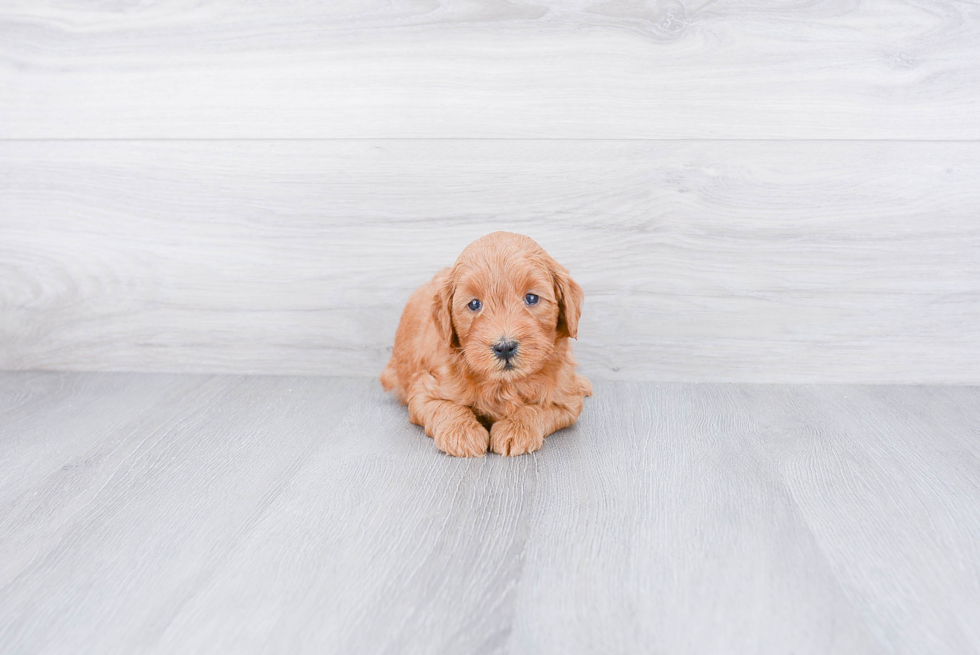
<point x="505" y="349"/>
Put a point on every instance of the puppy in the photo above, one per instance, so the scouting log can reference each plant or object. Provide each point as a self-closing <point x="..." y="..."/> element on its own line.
<point x="481" y="355"/>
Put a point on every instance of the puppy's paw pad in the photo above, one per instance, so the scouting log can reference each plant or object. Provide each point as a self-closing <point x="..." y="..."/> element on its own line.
<point x="510" y="438"/>
<point x="464" y="440"/>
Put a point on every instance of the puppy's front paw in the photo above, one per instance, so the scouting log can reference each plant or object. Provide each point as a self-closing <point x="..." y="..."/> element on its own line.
<point x="463" y="439"/>
<point x="508" y="437"/>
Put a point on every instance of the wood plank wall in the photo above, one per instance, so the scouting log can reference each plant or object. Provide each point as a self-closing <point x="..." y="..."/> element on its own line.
<point x="759" y="192"/>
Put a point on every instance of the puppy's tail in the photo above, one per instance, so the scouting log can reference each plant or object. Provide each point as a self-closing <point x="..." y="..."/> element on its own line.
<point x="390" y="382"/>
<point x="388" y="378"/>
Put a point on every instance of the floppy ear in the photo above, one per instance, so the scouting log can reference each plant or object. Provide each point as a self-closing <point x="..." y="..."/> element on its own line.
<point x="569" y="295"/>
<point x="442" y="309"/>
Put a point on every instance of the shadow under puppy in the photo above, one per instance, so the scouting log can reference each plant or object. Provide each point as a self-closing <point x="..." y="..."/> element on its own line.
<point x="481" y="355"/>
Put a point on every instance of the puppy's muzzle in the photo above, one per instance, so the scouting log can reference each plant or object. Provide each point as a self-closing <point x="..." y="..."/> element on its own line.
<point x="505" y="349"/>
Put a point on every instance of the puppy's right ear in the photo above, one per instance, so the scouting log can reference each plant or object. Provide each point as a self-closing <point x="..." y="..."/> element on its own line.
<point x="442" y="308"/>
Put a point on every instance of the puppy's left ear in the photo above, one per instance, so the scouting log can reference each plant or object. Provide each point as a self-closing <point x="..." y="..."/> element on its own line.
<point x="570" y="296"/>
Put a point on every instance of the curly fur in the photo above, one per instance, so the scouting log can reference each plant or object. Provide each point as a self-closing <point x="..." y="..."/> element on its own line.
<point x="443" y="366"/>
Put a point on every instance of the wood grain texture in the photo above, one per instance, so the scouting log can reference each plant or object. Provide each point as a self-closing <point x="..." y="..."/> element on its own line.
<point x="548" y="69"/>
<point x="141" y="510"/>
<point x="852" y="460"/>
<point x="701" y="261"/>
<point x="174" y="513"/>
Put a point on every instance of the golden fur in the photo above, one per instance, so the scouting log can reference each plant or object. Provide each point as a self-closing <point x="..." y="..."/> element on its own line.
<point x="443" y="366"/>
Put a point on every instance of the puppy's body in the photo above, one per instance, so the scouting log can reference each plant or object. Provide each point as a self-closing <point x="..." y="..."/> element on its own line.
<point x="505" y="365"/>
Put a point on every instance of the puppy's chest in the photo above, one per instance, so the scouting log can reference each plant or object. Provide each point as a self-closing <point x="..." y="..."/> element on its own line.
<point x="496" y="403"/>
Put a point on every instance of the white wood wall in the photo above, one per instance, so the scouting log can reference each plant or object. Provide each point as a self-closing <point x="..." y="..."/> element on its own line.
<point x="747" y="191"/>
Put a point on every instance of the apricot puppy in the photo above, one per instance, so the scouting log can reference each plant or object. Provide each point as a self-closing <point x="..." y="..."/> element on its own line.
<point x="481" y="355"/>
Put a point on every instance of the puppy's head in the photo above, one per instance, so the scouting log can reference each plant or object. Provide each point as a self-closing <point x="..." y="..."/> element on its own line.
<point x="506" y="305"/>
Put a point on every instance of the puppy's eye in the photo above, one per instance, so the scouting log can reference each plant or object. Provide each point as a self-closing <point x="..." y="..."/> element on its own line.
<point x="475" y="305"/>
<point x="531" y="299"/>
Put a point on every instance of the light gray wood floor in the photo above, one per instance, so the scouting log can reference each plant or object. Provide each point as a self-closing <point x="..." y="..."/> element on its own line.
<point x="186" y="514"/>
